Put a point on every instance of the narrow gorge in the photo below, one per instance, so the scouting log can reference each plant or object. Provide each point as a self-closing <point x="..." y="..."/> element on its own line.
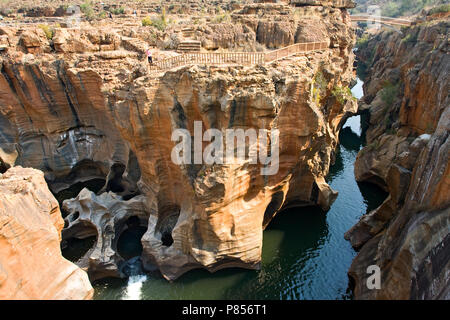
<point x="406" y="105"/>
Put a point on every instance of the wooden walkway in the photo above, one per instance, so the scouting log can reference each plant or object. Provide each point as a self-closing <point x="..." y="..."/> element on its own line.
<point x="383" y="20"/>
<point x="240" y="58"/>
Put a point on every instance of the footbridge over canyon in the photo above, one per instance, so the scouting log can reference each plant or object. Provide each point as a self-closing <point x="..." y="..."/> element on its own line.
<point x="381" y="20"/>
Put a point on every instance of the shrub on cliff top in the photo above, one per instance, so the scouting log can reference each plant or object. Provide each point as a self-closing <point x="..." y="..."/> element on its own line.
<point x="87" y="10"/>
<point x="117" y="11"/>
<point x="159" y="23"/>
<point x="440" y="9"/>
<point x="146" y="22"/>
<point x="49" y="31"/>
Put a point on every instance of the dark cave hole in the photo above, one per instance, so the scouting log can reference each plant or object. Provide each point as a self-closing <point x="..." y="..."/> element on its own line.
<point x="166" y="239"/>
<point x="115" y="178"/>
<point x="3" y="167"/>
<point x="273" y="207"/>
<point x="129" y="244"/>
<point x="75" y="216"/>
<point x="74" y="249"/>
<point x="130" y="196"/>
<point x="94" y="185"/>
<point x="169" y="215"/>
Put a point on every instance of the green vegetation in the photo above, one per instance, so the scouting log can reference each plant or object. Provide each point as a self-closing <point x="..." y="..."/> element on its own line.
<point x="342" y="95"/>
<point x="87" y="10"/>
<point x="116" y="11"/>
<point x="224" y="17"/>
<point x="146" y="22"/>
<point x="102" y="15"/>
<point x="389" y="93"/>
<point x="410" y="38"/>
<point x="48" y="30"/>
<point x="363" y="42"/>
<point x="430" y="128"/>
<point x="440" y="9"/>
<point x="320" y="85"/>
<point x="159" y="23"/>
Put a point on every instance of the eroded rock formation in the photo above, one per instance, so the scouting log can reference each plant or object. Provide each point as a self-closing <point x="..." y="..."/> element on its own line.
<point x="407" y="100"/>
<point x="105" y="217"/>
<point x="84" y="107"/>
<point x="31" y="264"/>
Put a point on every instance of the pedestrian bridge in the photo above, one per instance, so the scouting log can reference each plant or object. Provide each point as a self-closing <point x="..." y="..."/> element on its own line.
<point x="382" y="20"/>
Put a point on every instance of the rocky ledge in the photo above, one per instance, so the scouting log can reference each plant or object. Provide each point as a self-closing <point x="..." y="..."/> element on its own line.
<point x="407" y="106"/>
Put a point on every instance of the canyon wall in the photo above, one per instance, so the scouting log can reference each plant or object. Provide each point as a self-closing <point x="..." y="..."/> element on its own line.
<point x="407" y="105"/>
<point x="83" y="107"/>
<point x="31" y="264"/>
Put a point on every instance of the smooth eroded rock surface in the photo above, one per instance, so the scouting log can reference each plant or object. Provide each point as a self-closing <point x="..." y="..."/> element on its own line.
<point x="31" y="264"/>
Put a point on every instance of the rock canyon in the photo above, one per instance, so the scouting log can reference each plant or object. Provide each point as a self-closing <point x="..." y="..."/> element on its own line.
<point x="83" y="116"/>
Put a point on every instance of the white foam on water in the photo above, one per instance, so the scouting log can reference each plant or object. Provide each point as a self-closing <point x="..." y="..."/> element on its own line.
<point x="134" y="287"/>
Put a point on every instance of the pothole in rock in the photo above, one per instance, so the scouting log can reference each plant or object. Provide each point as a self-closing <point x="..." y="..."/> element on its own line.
<point x="77" y="242"/>
<point x="74" y="249"/>
<point x="129" y="244"/>
<point x="168" y="218"/>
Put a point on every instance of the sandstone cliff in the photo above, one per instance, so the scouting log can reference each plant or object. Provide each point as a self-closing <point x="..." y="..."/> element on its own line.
<point x="407" y="102"/>
<point x="31" y="265"/>
<point x="84" y="107"/>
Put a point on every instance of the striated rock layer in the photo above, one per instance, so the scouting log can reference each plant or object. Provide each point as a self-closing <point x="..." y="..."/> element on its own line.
<point x="31" y="264"/>
<point x="100" y="115"/>
<point x="407" y="102"/>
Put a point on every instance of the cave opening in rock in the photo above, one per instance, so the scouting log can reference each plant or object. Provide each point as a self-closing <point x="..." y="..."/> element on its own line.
<point x="77" y="239"/>
<point x="115" y="178"/>
<point x="129" y="243"/>
<point x="273" y="207"/>
<point x="94" y="185"/>
<point x="3" y="166"/>
<point x="168" y="218"/>
<point x="166" y="239"/>
<point x="85" y="174"/>
<point x="75" y="244"/>
<point x="74" y="249"/>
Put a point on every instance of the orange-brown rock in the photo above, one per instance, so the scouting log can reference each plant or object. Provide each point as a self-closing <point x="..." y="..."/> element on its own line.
<point x="31" y="264"/>
<point x="84" y="116"/>
<point x="408" y="153"/>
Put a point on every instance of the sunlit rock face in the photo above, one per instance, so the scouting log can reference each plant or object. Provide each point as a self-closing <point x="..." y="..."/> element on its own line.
<point x="406" y="98"/>
<point x="31" y="264"/>
<point x="101" y="116"/>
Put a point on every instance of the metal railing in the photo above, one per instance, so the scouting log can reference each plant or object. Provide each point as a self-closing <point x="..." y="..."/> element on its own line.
<point x="385" y="20"/>
<point x="240" y="58"/>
